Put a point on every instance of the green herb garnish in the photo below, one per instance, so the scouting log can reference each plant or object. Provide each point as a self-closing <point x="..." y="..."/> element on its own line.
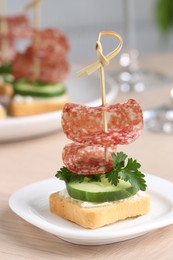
<point x="5" y="68"/>
<point x="127" y="171"/>
<point x="68" y="176"/>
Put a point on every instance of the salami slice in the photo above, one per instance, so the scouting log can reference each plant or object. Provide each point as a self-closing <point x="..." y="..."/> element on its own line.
<point x="54" y="73"/>
<point x="85" y="160"/>
<point x="8" y="54"/>
<point x="51" y="49"/>
<point x="85" y="124"/>
<point x="50" y="37"/>
<point x="18" y="27"/>
<point x="23" y="67"/>
<point x="52" y="45"/>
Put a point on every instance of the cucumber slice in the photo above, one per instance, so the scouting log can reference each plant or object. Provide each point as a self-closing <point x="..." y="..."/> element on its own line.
<point x="100" y="191"/>
<point x="6" y="78"/>
<point x="38" y="89"/>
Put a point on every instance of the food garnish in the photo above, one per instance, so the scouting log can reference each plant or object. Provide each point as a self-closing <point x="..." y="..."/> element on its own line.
<point x="122" y="170"/>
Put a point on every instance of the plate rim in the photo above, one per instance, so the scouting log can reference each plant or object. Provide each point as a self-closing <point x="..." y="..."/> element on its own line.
<point x="63" y="232"/>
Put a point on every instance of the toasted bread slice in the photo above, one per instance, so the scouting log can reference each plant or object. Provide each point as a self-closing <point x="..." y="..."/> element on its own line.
<point x="98" y="215"/>
<point x="27" y="106"/>
<point x="3" y="113"/>
<point x="6" y="90"/>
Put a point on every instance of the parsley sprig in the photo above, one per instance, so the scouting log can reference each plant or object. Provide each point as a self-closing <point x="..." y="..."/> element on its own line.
<point x="126" y="171"/>
<point x="124" y="168"/>
<point x="68" y="176"/>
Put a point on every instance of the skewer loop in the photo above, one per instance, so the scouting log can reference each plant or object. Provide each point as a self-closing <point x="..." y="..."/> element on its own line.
<point x="103" y="59"/>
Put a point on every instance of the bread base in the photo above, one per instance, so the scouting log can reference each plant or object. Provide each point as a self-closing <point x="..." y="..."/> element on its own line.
<point x="2" y="112"/>
<point x="6" y="90"/>
<point x="98" y="216"/>
<point x="34" y="108"/>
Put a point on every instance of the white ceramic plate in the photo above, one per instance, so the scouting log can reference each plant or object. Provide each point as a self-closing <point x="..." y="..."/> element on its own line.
<point x="31" y="203"/>
<point x="85" y="90"/>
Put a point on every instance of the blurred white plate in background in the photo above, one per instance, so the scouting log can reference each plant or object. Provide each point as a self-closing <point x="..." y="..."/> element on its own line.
<point x="85" y="90"/>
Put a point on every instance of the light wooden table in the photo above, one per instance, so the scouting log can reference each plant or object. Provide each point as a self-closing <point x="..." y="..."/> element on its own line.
<point x="28" y="161"/>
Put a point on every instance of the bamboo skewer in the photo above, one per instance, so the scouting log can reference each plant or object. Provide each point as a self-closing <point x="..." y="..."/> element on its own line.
<point x="103" y="61"/>
<point x="32" y="4"/>
<point x="4" y="43"/>
<point x="36" y="4"/>
<point x="4" y="30"/>
<point x="37" y="22"/>
<point x="96" y="65"/>
<point x="103" y="89"/>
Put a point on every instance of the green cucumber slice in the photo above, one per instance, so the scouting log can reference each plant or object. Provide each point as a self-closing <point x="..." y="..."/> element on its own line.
<point x="100" y="191"/>
<point x="39" y="89"/>
<point x="6" y="78"/>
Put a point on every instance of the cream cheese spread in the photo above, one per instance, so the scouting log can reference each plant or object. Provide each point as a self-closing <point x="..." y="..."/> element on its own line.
<point x="29" y="99"/>
<point x="63" y="193"/>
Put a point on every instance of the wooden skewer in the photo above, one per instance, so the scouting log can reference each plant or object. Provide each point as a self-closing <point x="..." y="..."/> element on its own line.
<point x="4" y="29"/>
<point x="36" y="40"/>
<point x="32" y="4"/>
<point x="96" y="65"/>
<point x="103" y="91"/>
<point x="103" y="88"/>
<point x="36" y="4"/>
<point x="103" y="60"/>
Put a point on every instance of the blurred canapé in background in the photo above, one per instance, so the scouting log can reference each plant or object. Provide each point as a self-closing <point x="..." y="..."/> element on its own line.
<point x="82" y="20"/>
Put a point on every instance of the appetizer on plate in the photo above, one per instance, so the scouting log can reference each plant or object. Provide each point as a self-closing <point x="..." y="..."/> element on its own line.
<point x="39" y="73"/>
<point x="12" y="28"/>
<point x="102" y="184"/>
<point x="39" y="89"/>
<point x="99" y="191"/>
<point x="33" y="84"/>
